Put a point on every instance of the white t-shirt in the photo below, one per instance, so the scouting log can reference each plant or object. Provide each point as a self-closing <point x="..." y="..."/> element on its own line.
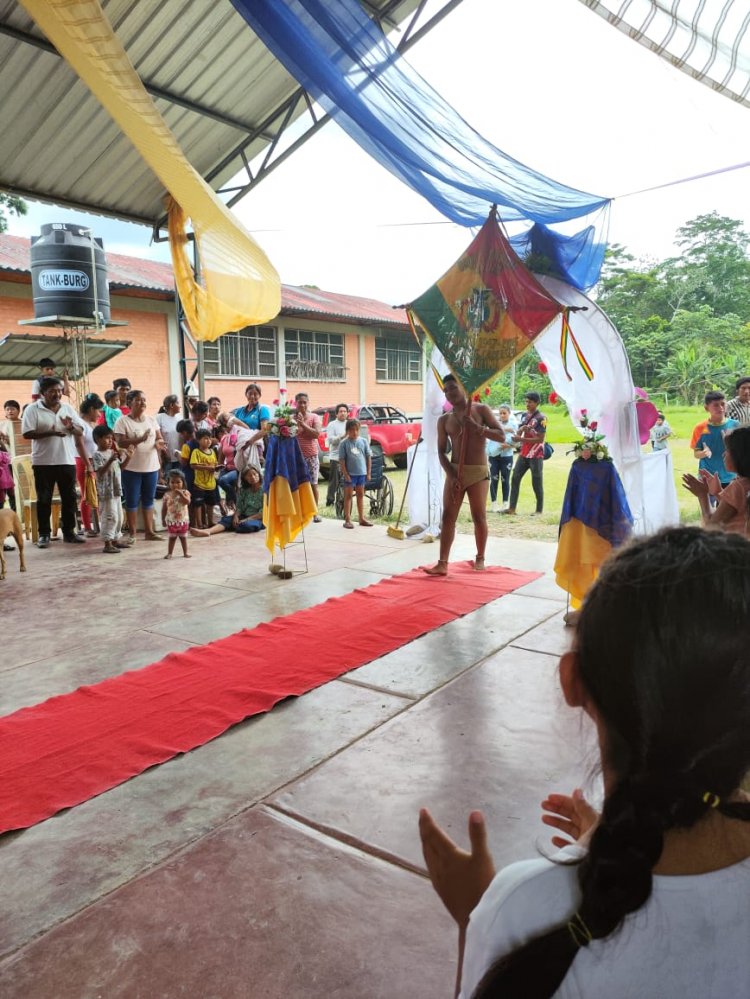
<point x="335" y="432"/>
<point x="51" y="450"/>
<point x="689" y="941"/>
<point x="168" y="425"/>
<point x="146" y="457"/>
<point x="89" y="446"/>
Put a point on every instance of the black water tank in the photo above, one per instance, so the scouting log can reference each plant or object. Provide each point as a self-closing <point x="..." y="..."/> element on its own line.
<point x="69" y="273"/>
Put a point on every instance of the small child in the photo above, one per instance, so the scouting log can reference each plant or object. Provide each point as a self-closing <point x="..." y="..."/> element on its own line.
<point x="12" y="410"/>
<point x="248" y="517"/>
<point x="660" y="432"/>
<point x="355" y="467"/>
<point x="108" y="460"/>
<point x="174" y="511"/>
<point x="7" y="485"/>
<point x="112" y="411"/>
<point x="47" y="369"/>
<point x="204" y="465"/>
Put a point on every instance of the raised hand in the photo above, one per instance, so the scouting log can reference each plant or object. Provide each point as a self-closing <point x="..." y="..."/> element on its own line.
<point x="572" y="815"/>
<point x="459" y="878"/>
<point x="712" y="481"/>
<point x="697" y="486"/>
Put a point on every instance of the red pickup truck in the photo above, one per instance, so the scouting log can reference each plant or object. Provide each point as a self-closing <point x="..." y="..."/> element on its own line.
<point x="389" y="429"/>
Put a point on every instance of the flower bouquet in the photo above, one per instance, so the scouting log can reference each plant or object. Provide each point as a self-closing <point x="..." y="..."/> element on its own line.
<point x="283" y="423"/>
<point x="590" y="446"/>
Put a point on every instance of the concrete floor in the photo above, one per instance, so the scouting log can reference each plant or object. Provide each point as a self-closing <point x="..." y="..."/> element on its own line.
<point x="281" y="859"/>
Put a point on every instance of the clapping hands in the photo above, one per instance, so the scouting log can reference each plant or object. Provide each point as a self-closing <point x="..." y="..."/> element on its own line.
<point x="572" y="815"/>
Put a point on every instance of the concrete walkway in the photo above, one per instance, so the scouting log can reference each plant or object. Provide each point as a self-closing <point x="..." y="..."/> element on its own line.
<point x="281" y="859"/>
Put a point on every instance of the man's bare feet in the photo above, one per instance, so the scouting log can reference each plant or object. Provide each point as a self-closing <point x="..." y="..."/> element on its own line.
<point x="167" y="556"/>
<point x="348" y="525"/>
<point x="198" y="532"/>
<point x="365" y="523"/>
<point x="478" y="563"/>
<point x="187" y="556"/>
<point x="439" y="569"/>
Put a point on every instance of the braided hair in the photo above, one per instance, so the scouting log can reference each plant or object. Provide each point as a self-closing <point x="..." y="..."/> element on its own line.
<point x="673" y="696"/>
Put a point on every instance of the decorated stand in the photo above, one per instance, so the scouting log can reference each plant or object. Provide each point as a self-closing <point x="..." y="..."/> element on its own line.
<point x="595" y="517"/>
<point x="288" y="501"/>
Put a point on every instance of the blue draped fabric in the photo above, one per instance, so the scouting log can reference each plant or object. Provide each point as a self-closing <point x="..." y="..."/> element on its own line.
<point x="577" y="259"/>
<point x="284" y="458"/>
<point x="344" y="61"/>
<point x="595" y="497"/>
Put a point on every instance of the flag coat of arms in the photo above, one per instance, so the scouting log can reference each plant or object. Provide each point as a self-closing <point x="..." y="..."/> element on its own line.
<point x="486" y="311"/>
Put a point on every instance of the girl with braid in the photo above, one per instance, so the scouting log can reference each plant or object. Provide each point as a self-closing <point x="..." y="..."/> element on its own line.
<point x="652" y="899"/>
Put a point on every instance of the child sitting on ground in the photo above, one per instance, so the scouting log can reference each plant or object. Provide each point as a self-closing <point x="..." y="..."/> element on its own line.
<point x="651" y="898"/>
<point x="355" y="467"/>
<point x="248" y="516"/>
<point x="204" y="466"/>
<point x="108" y="460"/>
<point x="174" y="511"/>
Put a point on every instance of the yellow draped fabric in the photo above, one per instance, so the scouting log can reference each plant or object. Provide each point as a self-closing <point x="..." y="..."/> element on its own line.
<point x="91" y="495"/>
<point x="241" y="286"/>
<point x="581" y="551"/>
<point x="285" y="513"/>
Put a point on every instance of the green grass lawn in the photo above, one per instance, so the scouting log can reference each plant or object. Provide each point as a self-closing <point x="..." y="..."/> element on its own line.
<point x="561" y="434"/>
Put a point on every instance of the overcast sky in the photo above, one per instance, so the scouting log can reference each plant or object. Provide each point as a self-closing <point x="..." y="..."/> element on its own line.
<point x="548" y="82"/>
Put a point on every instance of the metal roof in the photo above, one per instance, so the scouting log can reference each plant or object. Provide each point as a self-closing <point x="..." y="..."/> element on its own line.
<point x="220" y="91"/>
<point x="125" y="272"/>
<point x="20" y="353"/>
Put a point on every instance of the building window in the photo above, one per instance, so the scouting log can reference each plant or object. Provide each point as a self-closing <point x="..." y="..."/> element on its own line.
<point x="250" y="353"/>
<point x="397" y="359"/>
<point x="314" y="357"/>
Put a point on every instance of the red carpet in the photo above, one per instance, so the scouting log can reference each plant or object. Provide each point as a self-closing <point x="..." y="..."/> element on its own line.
<point x="75" y="746"/>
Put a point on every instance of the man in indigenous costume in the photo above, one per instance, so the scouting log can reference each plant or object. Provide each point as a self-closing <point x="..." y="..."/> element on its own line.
<point x="468" y="427"/>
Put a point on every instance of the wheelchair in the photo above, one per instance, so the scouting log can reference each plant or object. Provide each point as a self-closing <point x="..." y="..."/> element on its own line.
<point x="378" y="490"/>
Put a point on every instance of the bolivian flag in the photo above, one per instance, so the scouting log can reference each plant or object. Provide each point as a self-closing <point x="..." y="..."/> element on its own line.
<point x="288" y="501"/>
<point x="486" y="311"/>
<point x="595" y="520"/>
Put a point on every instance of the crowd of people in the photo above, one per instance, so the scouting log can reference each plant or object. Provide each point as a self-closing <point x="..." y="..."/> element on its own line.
<point x="112" y="459"/>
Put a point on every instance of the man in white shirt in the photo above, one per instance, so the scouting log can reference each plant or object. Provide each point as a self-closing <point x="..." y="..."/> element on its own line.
<point x="56" y="434"/>
<point x="335" y="433"/>
<point x="739" y="407"/>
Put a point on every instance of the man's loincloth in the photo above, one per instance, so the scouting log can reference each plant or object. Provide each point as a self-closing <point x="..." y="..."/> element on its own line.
<point x="471" y="474"/>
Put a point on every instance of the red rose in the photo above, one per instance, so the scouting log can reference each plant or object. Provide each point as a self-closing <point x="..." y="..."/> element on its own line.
<point x="487" y="391"/>
<point x="282" y="391"/>
<point x="542" y="368"/>
<point x="593" y="425"/>
<point x="284" y="431"/>
<point x="553" y="398"/>
<point x="476" y="398"/>
<point x="275" y="402"/>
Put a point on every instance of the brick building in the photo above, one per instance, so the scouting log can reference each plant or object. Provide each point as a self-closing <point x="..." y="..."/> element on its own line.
<point x="338" y="348"/>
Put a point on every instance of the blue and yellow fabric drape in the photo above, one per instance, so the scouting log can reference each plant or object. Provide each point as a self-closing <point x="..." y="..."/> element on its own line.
<point x="288" y="500"/>
<point x="595" y="519"/>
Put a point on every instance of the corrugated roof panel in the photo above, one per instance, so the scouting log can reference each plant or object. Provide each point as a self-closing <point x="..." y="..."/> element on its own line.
<point x="20" y="353"/>
<point x="60" y="145"/>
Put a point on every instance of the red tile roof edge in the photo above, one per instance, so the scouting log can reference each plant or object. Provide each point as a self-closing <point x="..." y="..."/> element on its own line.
<point x="151" y="275"/>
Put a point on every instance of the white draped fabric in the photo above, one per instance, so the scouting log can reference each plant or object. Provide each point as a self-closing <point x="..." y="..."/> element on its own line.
<point x="708" y="39"/>
<point x="425" y="496"/>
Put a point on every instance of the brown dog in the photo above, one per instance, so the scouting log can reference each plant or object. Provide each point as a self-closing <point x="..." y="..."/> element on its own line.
<point x="10" y="524"/>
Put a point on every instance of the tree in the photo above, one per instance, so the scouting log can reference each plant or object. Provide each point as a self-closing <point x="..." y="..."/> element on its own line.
<point x="14" y="205"/>
<point x="715" y="261"/>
